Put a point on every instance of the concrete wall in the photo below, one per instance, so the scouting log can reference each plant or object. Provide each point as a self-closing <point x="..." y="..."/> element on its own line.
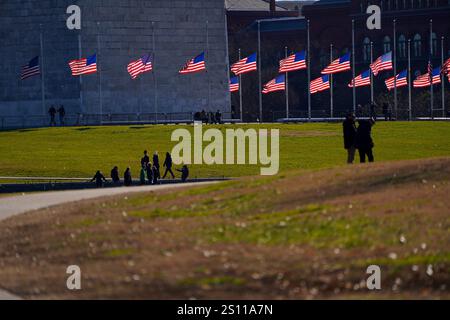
<point x="125" y="34"/>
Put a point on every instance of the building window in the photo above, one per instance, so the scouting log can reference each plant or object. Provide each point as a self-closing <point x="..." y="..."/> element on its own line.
<point x="417" y="45"/>
<point x="433" y="44"/>
<point x="366" y="49"/>
<point x="402" y="46"/>
<point x="386" y="44"/>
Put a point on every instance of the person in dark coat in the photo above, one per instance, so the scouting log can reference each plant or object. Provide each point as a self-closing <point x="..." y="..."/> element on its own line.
<point x="155" y="173"/>
<point x="218" y="117"/>
<point x="115" y="175"/>
<point x="52" y="113"/>
<point x="149" y="171"/>
<point x="99" y="178"/>
<point x="184" y="173"/>
<point x="145" y="159"/>
<point x="168" y="163"/>
<point x="364" y="142"/>
<point x="62" y="115"/>
<point x="127" y="179"/>
<point x="373" y="110"/>
<point x="349" y="127"/>
<point x="156" y="164"/>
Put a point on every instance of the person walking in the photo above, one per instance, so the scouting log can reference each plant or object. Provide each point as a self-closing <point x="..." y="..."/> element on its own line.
<point x="218" y="117"/>
<point x="168" y="163"/>
<point x="62" y="115"/>
<point x="99" y="178"/>
<point x="52" y="113"/>
<point x="145" y="159"/>
<point x="364" y="141"/>
<point x="143" y="175"/>
<point x="155" y="174"/>
<point x="127" y="179"/>
<point x="149" y="171"/>
<point x="115" y="175"/>
<point x="373" y="110"/>
<point x="156" y="164"/>
<point x="349" y="127"/>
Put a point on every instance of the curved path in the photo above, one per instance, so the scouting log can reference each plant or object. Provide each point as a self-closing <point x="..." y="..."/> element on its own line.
<point x="11" y="206"/>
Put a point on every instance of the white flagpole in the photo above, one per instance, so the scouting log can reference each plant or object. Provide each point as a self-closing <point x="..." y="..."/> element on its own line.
<point x="80" y="53"/>
<point x="395" y="71"/>
<point x="331" y="83"/>
<point x="287" y="85"/>
<point x="409" y="81"/>
<point x="155" y="84"/>
<point x="354" y="66"/>
<point x="207" y="63"/>
<point x="99" y="72"/>
<point x="309" y="70"/>
<point x="442" y="78"/>
<point x="42" y="61"/>
<point x="240" y="92"/>
<point x="259" y="71"/>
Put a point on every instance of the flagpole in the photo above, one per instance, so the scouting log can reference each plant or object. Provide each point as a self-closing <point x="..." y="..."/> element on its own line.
<point x="309" y="69"/>
<point x="442" y="78"/>
<point x="259" y="71"/>
<point x="80" y="53"/>
<point x="409" y="81"/>
<point x="395" y="70"/>
<point x="331" y="83"/>
<point x="431" y="75"/>
<point x="240" y="92"/>
<point x="207" y="63"/>
<point x="371" y="73"/>
<point x="287" y="85"/>
<point x="354" y="65"/>
<point x="155" y="84"/>
<point x="42" y="71"/>
<point x="99" y="75"/>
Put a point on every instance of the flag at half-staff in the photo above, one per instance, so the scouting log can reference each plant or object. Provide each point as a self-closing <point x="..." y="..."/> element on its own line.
<point x="245" y="65"/>
<point x="140" y="66"/>
<point x="320" y="84"/>
<point x="84" y="66"/>
<point x="445" y="70"/>
<point x="194" y="65"/>
<point x="234" y="84"/>
<point x="338" y="65"/>
<point x="362" y="80"/>
<point x="382" y="63"/>
<point x="294" y="62"/>
<point x="277" y="84"/>
<point x="401" y="80"/>
<point x="424" y="80"/>
<point x="31" y="69"/>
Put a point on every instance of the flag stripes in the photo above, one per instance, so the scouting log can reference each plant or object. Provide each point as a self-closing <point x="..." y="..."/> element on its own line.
<point x="245" y="65"/>
<point x="234" y="84"/>
<point x="402" y="81"/>
<point x="294" y="62"/>
<point x="277" y="84"/>
<point x="194" y="65"/>
<point x="382" y="63"/>
<point x="338" y="65"/>
<point x="84" y="66"/>
<point x="362" y="80"/>
<point x="31" y="69"/>
<point x="140" y="66"/>
<point x="320" y="84"/>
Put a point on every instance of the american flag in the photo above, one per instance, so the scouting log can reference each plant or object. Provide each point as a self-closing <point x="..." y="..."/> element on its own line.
<point x="31" y="69"/>
<point x="382" y="63"/>
<point x="338" y="65"/>
<point x="84" y="66"/>
<point x="294" y="62"/>
<point x="320" y="84"/>
<point x="234" y="84"/>
<point x="362" y="80"/>
<point x="196" y="64"/>
<point x="277" y="84"/>
<point x="424" y="80"/>
<point x="140" y="66"/>
<point x="446" y="68"/>
<point x="402" y="80"/>
<point x="245" y="65"/>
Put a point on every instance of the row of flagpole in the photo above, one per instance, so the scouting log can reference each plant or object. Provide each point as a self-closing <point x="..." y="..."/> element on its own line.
<point x="372" y="93"/>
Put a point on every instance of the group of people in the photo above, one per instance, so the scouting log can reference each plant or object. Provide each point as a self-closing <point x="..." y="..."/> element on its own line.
<point x="387" y="111"/>
<point x="208" y="117"/>
<point x="358" y="138"/>
<point x="62" y="114"/>
<point x="149" y="174"/>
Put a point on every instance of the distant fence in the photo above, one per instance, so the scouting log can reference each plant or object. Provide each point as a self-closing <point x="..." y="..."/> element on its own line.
<point x="24" y="122"/>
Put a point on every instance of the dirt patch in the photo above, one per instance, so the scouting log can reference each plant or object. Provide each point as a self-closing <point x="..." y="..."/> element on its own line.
<point x="295" y="236"/>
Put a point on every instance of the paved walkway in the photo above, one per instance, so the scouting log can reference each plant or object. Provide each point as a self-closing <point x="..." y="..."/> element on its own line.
<point x="11" y="206"/>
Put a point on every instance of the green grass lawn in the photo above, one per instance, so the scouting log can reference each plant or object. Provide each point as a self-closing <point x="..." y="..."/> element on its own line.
<point x="79" y="152"/>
